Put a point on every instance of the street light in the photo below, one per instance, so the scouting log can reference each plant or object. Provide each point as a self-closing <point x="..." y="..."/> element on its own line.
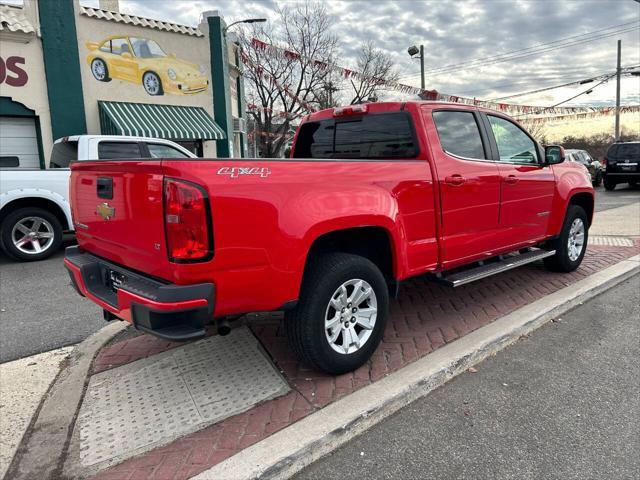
<point x="413" y="51"/>
<point x="248" y="20"/>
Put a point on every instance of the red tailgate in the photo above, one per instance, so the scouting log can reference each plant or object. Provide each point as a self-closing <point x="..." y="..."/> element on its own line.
<point x="117" y="209"/>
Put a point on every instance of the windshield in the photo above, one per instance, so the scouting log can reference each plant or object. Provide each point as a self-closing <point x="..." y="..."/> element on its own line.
<point x="144" y="48"/>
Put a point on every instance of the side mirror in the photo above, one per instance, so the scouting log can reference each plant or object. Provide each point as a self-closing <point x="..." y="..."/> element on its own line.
<point x="553" y="154"/>
<point x="126" y="55"/>
<point x="172" y="55"/>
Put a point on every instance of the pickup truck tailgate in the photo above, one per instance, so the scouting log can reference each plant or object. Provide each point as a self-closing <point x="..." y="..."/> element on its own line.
<point x="117" y="209"/>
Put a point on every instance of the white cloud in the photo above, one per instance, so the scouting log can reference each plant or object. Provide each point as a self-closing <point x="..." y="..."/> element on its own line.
<point x="457" y="31"/>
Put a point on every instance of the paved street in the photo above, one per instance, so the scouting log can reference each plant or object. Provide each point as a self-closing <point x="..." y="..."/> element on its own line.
<point x="621" y="196"/>
<point x="40" y="310"/>
<point x="562" y="403"/>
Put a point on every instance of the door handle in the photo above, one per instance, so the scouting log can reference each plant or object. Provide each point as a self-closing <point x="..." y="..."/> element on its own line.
<point x="511" y="179"/>
<point x="455" y="180"/>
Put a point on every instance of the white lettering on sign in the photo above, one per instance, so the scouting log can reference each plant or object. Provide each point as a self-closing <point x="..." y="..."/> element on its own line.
<point x="235" y="172"/>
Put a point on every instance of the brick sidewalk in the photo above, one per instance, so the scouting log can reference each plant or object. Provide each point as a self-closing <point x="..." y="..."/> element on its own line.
<point x="424" y="317"/>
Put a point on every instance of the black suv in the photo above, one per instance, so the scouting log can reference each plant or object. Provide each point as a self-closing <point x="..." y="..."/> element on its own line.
<point x="623" y="164"/>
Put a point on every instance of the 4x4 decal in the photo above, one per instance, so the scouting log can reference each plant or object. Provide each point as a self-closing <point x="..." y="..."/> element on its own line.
<point x="235" y="172"/>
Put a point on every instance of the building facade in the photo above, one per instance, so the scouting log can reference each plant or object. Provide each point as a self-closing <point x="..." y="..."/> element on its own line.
<point x="70" y="69"/>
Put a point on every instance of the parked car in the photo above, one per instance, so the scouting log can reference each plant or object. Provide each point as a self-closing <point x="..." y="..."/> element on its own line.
<point x="622" y="162"/>
<point x="595" y="168"/>
<point x="34" y="205"/>
<point x="143" y="62"/>
<point x="372" y="195"/>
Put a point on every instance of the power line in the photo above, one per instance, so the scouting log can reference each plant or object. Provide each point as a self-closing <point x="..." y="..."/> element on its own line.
<point x="626" y="70"/>
<point x="535" y="50"/>
<point x="531" y="54"/>
<point x="588" y="90"/>
<point x="535" y="47"/>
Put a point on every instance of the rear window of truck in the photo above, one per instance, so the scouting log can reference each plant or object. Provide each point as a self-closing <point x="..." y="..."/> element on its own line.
<point x="383" y="135"/>
<point x="63" y="153"/>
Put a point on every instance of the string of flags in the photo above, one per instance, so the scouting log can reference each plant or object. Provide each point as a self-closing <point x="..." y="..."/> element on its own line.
<point x="554" y="112"/>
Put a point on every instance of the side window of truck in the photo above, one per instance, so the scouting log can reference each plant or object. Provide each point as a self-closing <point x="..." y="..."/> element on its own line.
<point x="118" y="151"/>
<point x="514" y="145"/>
<point x="157" y="150"/>
<point x="459" y="134"/>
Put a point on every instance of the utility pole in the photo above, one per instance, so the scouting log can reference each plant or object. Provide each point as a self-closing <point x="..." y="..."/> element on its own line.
<point x="422" y="66"/>
<point x="618" y="73"/>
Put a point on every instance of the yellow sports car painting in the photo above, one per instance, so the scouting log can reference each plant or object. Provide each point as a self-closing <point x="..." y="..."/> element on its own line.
<point x="142" y="61"/>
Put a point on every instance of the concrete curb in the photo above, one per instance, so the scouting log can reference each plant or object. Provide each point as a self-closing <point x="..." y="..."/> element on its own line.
<point x="290" y="450"/>
<point x="41" y="452"/>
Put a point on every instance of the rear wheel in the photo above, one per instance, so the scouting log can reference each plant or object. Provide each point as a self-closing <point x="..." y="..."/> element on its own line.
<point x="30" y="234"/>
<point x="100" y="70"/>
<point x="609" y="184"/>
<point x="571" y="245"/>
<point x="341" y="315"/>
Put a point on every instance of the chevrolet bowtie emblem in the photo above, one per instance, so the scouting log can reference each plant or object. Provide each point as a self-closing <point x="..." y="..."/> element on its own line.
<point x="105" y="211"/>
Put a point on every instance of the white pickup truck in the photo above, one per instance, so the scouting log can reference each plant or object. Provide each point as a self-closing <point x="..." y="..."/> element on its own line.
<point x="34" y="204"/>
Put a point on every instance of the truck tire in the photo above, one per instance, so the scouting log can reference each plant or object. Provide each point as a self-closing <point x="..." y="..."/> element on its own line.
<point x="341" y="314"/>
<point x="609" y="184"/>
<point x="571" y="245"/>
<point x="598" y="181"/>
<point x="29" y="234"/>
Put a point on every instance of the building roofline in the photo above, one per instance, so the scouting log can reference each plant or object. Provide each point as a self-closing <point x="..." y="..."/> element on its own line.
<point x="139" y="21"/>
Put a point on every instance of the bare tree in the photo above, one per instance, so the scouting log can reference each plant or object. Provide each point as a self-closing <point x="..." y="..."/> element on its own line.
<point x="537" y="130"/>
<point x="285" y="71"/>
<point x="375" y="68"/>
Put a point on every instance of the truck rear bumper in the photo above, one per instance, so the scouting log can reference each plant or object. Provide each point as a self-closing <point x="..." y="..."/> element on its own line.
<point x="171" y="312"/>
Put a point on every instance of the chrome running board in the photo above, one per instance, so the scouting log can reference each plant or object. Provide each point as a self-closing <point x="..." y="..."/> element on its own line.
<point x="505" y="263"/>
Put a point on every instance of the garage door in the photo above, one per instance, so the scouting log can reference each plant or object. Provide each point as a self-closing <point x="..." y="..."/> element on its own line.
<point x="18" y="139"/>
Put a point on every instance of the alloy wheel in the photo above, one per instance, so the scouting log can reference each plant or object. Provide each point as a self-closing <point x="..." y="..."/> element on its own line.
<point x="32" y="235"/>
<point x="350" y="316"/>
<point x="576" y="239"/>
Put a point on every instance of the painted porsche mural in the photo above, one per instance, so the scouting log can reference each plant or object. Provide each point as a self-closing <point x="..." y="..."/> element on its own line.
<point x="143" y="62"/>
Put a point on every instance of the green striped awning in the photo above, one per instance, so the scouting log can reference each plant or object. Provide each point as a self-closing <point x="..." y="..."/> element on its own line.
<point x="173" y="122"/>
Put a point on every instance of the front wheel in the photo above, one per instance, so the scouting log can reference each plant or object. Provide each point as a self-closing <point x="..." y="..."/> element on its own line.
<point x="152" y="84"/>
<point x="341" y="314"/>
<point x="571" y="245"/>
<point x="609" y="184"/>
<point x="30" y="234"/>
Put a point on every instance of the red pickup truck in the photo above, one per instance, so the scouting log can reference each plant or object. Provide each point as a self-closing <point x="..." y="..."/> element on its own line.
<point x="373" y="194"/>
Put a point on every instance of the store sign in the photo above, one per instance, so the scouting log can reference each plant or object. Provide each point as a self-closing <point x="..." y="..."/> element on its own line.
<point x="11" y="73"/>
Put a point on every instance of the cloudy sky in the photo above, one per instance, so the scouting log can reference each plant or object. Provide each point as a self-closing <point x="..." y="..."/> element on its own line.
<point x="455" y="32"/>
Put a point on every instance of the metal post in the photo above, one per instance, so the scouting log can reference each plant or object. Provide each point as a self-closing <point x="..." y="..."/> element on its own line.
<point x="422" y="65"/>
<point x="618" y="73"/>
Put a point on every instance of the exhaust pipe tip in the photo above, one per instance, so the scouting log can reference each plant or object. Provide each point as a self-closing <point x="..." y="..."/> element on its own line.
<point x="223" y="327"/>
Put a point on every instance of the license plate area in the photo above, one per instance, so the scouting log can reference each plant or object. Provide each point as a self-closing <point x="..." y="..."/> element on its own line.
<point x="115" y="280"/>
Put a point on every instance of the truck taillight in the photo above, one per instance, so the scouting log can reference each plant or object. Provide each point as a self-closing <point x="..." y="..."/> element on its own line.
<point x="187" y="220"/>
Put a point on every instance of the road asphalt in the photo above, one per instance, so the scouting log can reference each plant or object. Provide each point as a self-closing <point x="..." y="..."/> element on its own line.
<point x="562" y="403"/>
<point x="40" y="311"/>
